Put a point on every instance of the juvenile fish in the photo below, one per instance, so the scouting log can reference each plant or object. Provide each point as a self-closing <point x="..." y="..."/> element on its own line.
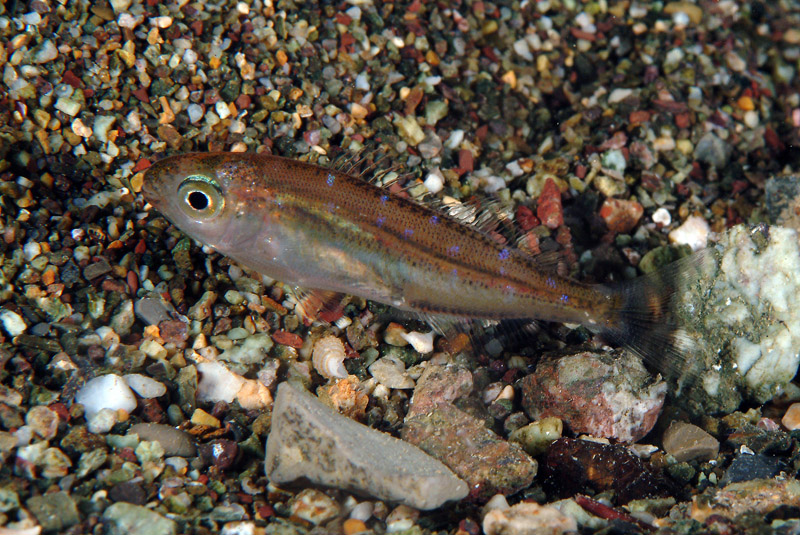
<point x="323" y="229"/>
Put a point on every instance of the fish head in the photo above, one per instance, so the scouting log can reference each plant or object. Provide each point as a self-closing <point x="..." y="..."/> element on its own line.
<point x="210" y="197"/>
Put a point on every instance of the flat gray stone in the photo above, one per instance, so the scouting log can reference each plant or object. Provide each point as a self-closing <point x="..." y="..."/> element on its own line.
<point x="310" y="440"/>
<point x="128" y="519"/>
<point x="686" y="442"/>
<point x="174" y="441"/>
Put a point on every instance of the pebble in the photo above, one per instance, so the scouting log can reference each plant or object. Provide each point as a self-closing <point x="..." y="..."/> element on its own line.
<point x="217" y="383"/>
<point x="359" y="458"/>
<point x="621" y="216"/>
<point x="106" y="392"/>
<point x="687" y="442"/>
<point x="528" y="518"/>
<point x="201" y="417"/>
<point x="607" y="395"/>
<point x="755" y="497"/>
<point x="174" y="441"/>
<point x="693" y="232"/>
<point x="791" y="419"/>
<point x="129" y="519"/>
<point x="13" y="324"/>
<point x="314" y="506"/>
<point x="393" y="335"/>
<point x="537" y="436"/>
<point x="43" y="421"/>
<point x="549" y="210"/>
<point x="746" y="467"/>
<point x="102" y="422"/>
<point x="713" y="151"/>
<point x="619" y="94"/>
<point x="421" y="342"/>
<point x="146" y="387"/>
<point x="390" y="371"/>
<point x="55" y="511"/>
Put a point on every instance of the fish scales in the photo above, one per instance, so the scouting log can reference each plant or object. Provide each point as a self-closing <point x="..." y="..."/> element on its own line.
<point x="324" y="229"/>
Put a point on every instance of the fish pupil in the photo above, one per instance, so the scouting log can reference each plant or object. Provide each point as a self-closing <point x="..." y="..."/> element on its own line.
<point x="198" y="200"/>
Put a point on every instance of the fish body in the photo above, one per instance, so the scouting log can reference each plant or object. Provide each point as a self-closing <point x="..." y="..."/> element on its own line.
<point x="324" y="229"/>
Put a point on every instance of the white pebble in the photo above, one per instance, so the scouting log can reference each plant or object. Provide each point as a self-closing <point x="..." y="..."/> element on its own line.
<point x="217" y="383"/>
<point x="102" y="422"/>
<point x="190" y="57"/>
<point x="751" y="118"/>
<point x="162" y="22"/>
<point x="422" y="343"/>
<point x="222" y="109"/>
<point x="434" y="182"/>
<point x="146" y="387"/>
<point x="693" y="232"/>
<point x="68" y="106"/>
<point x="362" y="511"/>
<point x="106" y="392"/>
<point x="619" y="94"/>
<point x="32" y="18"/>
<point x="362" y="82"/>
<point x="12" y="322"/>
<point x="455" y="139"/>
<point x="31" y="250"/>
<point x="523" y="50"/>
<point x="243" y="8"/>
<point x="195" y="112"/>
<point x="126" y="20"/>
<point x="662" y="217"/>
<point x="354" y="13"/>
<point x="47" y="52"/>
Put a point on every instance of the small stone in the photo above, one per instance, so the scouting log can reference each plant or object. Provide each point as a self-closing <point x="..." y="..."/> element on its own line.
<point x="619" y="94"/>
<point x="549" y="210"/>
<point x="713" y="151"/>
<point x="201" y="417"/>
<point x="105" y="392"/>
<point x="68" y="106"/>
<point x="421" y="342"/>
<point x="217" y="383"/>
<point x="174" y="441"/>
<point x="393" y="335"/>
<point x="621" y="216"/>
<point x="195" y="112"/>
<point x="55" y="511"/>
<point x="13" y="324"/>
<point x="128" y="492"/>
<point x="756" y="497"/>
<point x="96" y="269"/>
<point x="129" y="519"/>
<point x="390" y="371"/>
<point x="694" y="11"/>
<point x="528" y="518"/>
<point x="687" y="442"/>
<point x="536" y="436"/>
<point x="791" y="419"/>
<point x="314" y="506"/>
<point x="304" y="431"/>
<point x="43" y="421"/>
<point x="219" y="453"/>
<point x="409" y="129"/>
<point x="439" y="385"/>
<point x="101" y="422"/>
<point x="123" y="318"/>
<point x="693" y="232"/>
<point x="146" y="387"/>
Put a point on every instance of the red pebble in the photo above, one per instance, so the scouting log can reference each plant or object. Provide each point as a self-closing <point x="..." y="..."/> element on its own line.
<point x="141" y="94"/>
<point x="638" y="117"/>
<point x="620" y="215"/>
<point x="243" y="102"/>
<point x="197" y="27"/>
<point x="526" y="218"/>
<point x="60" y="409"/>
<point x="141" y="247"/>
<point x="133" y="281"/>
<point x="466" y="163"/>
<point x="550" y="211"/>
<point x="347" y="40"/>
<point x="683" y="120"/>
<point x="141" y="165"/>
<point x="70" y="78"/>
<point x="287" y="339"/>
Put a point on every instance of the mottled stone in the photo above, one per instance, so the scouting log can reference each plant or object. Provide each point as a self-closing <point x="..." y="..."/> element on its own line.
<point x="55" y="511"/>
<point x="439" y="384"/>
<point x="759" y="496"/>
<point x="603" y="394"/>
<point x="528" y="518"/>
<point x="310" y="440"/>
<point x="488" y="463"/>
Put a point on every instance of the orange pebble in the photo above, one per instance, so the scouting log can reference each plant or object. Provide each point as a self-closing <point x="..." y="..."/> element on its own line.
<point x="282" y="58"/>
<point x="746" y="103"/>
<point x="352" y="526"/>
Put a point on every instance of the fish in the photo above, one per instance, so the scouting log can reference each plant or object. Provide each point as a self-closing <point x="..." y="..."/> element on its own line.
<point x="327" y="230"/>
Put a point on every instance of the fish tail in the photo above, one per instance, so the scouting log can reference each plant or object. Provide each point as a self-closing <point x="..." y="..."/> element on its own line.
<point x="647" y="316"/>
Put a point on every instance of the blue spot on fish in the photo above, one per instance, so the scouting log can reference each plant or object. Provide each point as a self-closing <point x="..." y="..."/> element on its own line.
<point x="564" y="298"/>
<point x="407" y="233"/>
<point x="331" y="179"/>
<point x="453" y="251"/>
<point x="380" y="221"/>
<point x="384" y="198"/>
<point x="502" y="270"/>
<point x="504" y="254"/>
<point x="551" y="282"/>
<point x="434" y="219"/>
<point x="331" y="207"/>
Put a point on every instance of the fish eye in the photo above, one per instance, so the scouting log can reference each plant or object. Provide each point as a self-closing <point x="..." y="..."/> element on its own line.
<point x="200" y="197"/>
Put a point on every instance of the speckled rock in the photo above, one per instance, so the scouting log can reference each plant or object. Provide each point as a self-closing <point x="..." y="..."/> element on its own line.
<point x="305" y="433"/>
<point x="55" y="511"/>
<point x="174" y="441"/>
<point x="527" y="518"/>
<point x="487" y="462"/>
<point x="758" y="496"/>
<point x="439" y="384"/>
<point x="603" y="394"/>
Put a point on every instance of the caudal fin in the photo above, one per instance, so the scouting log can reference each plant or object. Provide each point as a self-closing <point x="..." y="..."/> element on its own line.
<point x="649" y="317"/>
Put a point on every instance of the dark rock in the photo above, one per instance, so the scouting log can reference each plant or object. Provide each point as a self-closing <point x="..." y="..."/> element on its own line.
<point x="220" y="453"/>
<point x="746" y="467"/>
<point x="128" y="492"/>
<point x="574" y="466"/>
<point x="97" y="269"/>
